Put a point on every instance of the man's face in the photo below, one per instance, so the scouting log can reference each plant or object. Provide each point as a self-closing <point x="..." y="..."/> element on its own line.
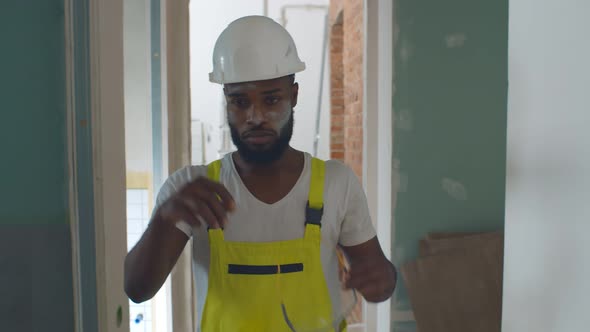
<point x="260" y="117"/>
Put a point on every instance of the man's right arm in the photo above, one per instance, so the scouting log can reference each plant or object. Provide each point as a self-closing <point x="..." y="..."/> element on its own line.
<point x="148" y="264"/>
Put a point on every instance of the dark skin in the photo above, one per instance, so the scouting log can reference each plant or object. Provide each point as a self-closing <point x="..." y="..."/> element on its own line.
<point x="265" y="106"/>
<point x="371" y="273"/>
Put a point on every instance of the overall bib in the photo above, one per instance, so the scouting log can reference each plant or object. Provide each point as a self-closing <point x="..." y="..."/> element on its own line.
<point x="253" y="284"/>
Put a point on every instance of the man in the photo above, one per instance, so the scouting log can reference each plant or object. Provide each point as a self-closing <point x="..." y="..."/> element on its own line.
<point x="266" y="221"/>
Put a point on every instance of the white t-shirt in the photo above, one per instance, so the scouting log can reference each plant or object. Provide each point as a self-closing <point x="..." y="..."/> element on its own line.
<point x="346" y="218"/>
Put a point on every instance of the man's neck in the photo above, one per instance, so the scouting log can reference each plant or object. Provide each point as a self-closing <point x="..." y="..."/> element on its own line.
<point x="291" y="160"/>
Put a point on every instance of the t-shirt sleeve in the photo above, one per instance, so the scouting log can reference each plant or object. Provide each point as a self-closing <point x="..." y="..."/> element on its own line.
<point x="357" y="227"/>
<point x="172" y="185"/>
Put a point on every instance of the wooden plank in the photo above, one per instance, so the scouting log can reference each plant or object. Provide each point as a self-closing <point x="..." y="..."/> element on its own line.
<point x="457" y="285"/>
<point x="439" y="243"/>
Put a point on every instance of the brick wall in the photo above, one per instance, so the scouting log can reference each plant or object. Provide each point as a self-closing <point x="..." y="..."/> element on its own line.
<point x="337" y="93"/>
<point x="346" y="17"/>
<point x="346" y="88"/>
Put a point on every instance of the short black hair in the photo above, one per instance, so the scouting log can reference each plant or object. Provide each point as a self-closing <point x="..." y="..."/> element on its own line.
<point x="292" y="78"/>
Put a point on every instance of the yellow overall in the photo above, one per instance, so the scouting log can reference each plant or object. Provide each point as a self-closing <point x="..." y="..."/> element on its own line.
<point x="252" y="283"/>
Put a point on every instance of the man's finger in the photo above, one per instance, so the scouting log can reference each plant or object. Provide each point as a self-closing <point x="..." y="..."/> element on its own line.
<point x="201" y="211"/>
<point x="357" y="281"/>
<point x="223" y="193"/>
<point x="361" y="269"/>
<point x="372" y="292"/>
<point x="208" y="216"/>
<point x="214" y="205"/>
<point x="187" y="215"/>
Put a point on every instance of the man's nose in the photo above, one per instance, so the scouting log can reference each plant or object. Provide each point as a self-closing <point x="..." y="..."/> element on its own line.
<point x="255" y="115"/>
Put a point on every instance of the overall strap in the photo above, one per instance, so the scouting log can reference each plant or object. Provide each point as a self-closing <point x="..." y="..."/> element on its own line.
<point x="214" y="170"/>
<point x="214" y="173"/>
<point x="315" y="203"/>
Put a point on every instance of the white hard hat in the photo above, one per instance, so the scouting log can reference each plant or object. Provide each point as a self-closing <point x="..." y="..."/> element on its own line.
<point x="254" y="48"/>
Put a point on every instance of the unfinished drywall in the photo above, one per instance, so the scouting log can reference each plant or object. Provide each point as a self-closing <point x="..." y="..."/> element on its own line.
<point x="35" y="248"/>
<point x="547" y="255"/>
<point x="33" y="113"/>
<point x="450" y="81"/>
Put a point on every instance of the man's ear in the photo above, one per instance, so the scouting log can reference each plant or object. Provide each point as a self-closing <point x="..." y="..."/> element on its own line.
<point x="294" y="94"/>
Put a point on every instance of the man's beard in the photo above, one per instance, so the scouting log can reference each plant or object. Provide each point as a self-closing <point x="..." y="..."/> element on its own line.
<point x="269" y="155"/>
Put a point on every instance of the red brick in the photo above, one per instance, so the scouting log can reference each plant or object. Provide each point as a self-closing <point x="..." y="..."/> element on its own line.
<point x="336" y="128"/>
<point x="337" y="118"/>
<point x="338" y="140"/>
<point x="346" y="55"/>
<point x="337" y="100"/>
<point x="337" y="111"/>
<point x="338" y="146"/>
<point x="337" y="85"/>
<point x="337" y="155"/>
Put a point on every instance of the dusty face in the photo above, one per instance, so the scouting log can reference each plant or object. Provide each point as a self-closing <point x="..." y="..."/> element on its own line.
<point x="260" y="116"/>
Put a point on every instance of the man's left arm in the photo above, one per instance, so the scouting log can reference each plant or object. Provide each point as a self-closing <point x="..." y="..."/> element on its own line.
<point x="371" y="273"/>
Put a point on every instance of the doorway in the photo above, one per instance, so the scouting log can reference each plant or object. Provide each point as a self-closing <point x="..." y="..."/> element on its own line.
<point x="145" y="134"/>
<point x="143" y="181"/>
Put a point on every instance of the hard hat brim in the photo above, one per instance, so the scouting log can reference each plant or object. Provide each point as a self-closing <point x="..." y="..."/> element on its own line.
<point x="218" y="80"/>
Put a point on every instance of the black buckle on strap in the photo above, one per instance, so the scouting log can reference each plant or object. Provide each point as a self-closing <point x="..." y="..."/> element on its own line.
<point x="313" y="216"/>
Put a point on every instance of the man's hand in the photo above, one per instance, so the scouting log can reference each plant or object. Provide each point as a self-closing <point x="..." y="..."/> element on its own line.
<point x="374" y="278"/>
<point x="370" y="271"/>
<point x="149" y="263"/>
<point x="201" y="201"/>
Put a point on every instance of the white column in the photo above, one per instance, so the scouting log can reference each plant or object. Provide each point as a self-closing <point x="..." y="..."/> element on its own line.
<point x="378" y="136"/>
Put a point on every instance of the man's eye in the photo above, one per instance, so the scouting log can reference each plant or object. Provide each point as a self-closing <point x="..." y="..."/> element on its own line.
<point x="272" y="100"/>
<point x="240" y="102"/>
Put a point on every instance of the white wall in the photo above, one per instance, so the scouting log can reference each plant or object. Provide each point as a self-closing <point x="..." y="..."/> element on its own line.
<point x="307" y="29"/>
<point x="209" y="18"/>
<point x="138" y="122"/>
<point x="547" y="264"/>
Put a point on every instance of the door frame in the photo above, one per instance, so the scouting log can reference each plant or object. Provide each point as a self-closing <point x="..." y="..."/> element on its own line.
<point x="96" y="136"/>
<point x="108" y="128"/>
<point x="106" y="122"/>
<point x="378" y="136"/>
<point x="95" y="108"/>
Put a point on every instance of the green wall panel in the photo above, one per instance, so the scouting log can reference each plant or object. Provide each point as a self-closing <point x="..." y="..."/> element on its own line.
<point x="36" y="292"/>
<point x="33" y="113"/>
<point x="450" y="106"/>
